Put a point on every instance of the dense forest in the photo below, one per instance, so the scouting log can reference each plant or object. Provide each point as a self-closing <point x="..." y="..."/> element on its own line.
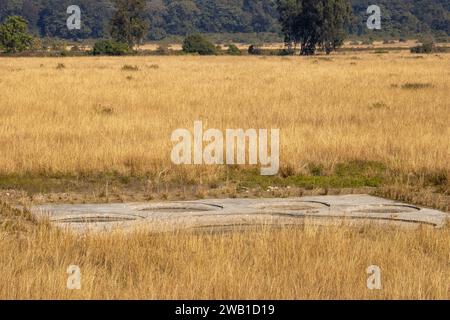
<point x="47" y="18"/>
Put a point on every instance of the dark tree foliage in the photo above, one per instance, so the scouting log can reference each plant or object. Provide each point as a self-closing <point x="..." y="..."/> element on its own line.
<point x="128" y="24"/>
<point x="313" y="23"/>
<point x="288" y="11"/>
<point x="110" y="48"/>
<point x="400" y="18"/>
<point x="14" y="35"/>
<point x="51" y="21"/>
<point x="197" y="44"/>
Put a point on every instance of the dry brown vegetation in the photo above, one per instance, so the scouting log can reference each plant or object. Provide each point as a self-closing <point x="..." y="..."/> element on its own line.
<point x="95" y="115"/>
<point x="309" y="262"/>
<point x="346" y="121"/>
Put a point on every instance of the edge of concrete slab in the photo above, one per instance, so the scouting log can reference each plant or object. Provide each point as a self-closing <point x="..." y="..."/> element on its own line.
<point x="234" y="212"/>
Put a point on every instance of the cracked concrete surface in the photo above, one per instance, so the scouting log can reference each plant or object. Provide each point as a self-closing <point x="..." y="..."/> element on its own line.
<point x="239" y="213"/>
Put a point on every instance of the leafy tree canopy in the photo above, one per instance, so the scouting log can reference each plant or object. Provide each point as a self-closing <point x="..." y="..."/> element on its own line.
<point x="314" y="23"/>
<point x="47" y="18"/>
<point x="14" y="35"/>
<point x="128" y="24"/>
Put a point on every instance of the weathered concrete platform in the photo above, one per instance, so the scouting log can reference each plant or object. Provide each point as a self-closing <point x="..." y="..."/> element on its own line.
<point x="231" y="213"/>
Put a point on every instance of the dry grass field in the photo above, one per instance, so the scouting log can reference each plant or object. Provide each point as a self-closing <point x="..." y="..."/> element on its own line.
<point x="348" y="120"/>
<point x="89" y="115"/>
<point x="308" y="262"/>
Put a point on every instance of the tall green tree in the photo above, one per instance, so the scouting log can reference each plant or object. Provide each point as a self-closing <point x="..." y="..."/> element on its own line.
<point x="289" y="10"/>
<point x="128" y="24"/>
<point x="14" y="35"/>
<point x="314" y="23"/>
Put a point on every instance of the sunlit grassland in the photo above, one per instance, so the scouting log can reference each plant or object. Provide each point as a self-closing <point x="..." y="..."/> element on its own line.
<point x="90" y="115"/>
<point x="309" y="262"/>
<point x="345" y="121"/>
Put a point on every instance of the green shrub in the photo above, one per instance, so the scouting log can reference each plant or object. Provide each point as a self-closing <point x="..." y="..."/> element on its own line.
<point x="110" y="48"/>
<point x="424" y="48"/>
<point x="233" y="50"/>
<point x="197" y="44"/>
<point x="14" y="35"/>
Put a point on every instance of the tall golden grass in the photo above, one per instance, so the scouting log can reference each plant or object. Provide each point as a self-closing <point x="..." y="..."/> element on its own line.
<point x="307" y="262"/>
<point x="89" y="115"/>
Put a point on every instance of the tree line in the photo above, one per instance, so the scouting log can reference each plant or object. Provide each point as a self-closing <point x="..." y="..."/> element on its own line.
<point x="309" y="24"/>
<point x="47" y="18"/>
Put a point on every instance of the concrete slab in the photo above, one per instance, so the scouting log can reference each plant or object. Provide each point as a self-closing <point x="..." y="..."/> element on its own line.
<point x="226" y="213"/>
